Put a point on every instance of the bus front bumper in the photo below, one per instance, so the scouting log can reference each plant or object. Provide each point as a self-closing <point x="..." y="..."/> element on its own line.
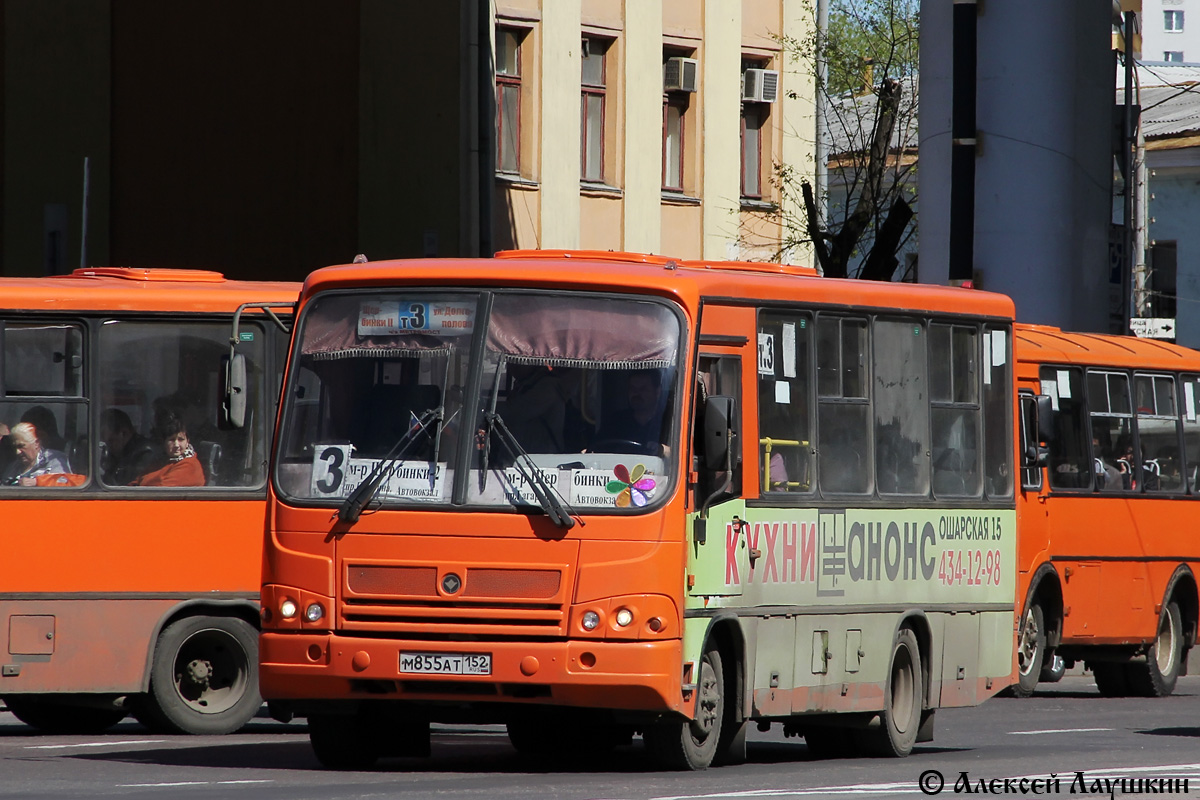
<point x="627" y="676"/>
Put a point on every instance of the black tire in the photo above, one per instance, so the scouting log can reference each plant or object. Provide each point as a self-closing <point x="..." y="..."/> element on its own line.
<point x="342" y="742"/>
<point x="50" y="715"/>
<point x="1157" y="677"/>
<point x="826" y="743"/>
<point x="1053" y="668"/>
<point x="204" y="679"/>
<point x="684" y="744"/>
<point x="1112" y="679"/>
<point x="903" y="701"/>
<point x="1031" y="651"/>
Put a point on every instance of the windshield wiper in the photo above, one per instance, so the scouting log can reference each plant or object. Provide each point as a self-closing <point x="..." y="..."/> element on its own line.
<point x="547" y="495"/>
<point x="352" y="507"/>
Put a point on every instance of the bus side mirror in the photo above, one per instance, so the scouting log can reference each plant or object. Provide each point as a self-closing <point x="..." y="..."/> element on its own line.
<point x="1045" y="419"/>
<point x="1036" y="456"/>
<point x="718" y="432"/>
<point x="233" y="405"/>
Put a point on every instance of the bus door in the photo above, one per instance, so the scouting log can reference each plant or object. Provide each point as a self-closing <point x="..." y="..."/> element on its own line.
<point x="719" y="555"/>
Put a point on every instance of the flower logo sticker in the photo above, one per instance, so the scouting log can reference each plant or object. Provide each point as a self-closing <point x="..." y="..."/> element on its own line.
<point x="629" y="488"/>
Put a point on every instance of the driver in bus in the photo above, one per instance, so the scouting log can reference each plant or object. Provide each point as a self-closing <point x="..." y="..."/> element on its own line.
<point x="642" y="423"/>
<point x="32" y="458"/>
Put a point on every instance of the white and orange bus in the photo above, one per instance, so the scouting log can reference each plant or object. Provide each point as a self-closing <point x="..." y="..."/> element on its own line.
<point x="120" y="591"/>
<point x="1108" y="561"/>
<point x="591" y="495"/>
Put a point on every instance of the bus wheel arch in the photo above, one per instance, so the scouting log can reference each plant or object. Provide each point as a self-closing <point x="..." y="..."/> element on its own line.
<point x="1181" y="589"/>
<point x="1166" y="658"/>
<point x="202" y="671"/>
<point x="906" y="692"/>
<point x="1039" y="630"/>
<point x="923" y="631"/>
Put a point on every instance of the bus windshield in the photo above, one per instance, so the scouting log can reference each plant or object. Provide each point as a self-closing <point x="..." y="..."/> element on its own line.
<point x="567" y="396"/>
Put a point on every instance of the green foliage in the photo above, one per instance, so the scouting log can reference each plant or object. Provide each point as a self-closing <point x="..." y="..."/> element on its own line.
<point x="881" y="33"/>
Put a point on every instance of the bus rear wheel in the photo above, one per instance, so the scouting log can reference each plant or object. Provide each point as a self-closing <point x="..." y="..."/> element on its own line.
<point x="1157" y="677"/>
<point x="1112" y="679"/>
<point x="53" y="715"/>
<point x="903" y="699"/>
<point x="685" y="744"/>
<point x="1031" y="651"/>
<point x="204" y="679"/>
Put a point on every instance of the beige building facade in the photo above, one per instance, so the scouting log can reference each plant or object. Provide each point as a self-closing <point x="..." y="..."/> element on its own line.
<point x="657" y="143"/>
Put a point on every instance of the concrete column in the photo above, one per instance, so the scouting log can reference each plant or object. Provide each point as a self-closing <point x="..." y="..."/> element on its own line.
<point x="1043" y="173"/>
<point x="642" y="221"/>
<point x="721" y="127"/>
<point x="559" y="79"/>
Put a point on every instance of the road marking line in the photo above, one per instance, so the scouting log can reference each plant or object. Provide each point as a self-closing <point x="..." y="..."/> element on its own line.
<point x="93" y="744"/>
<point x="1060" y="730"/>
<point x="185" y="783"/>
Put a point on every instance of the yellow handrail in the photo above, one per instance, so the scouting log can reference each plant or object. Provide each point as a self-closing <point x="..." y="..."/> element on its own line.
<point x="768" y="443"/>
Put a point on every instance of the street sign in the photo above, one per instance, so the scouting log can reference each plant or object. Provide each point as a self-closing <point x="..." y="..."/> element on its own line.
<point x="1153" y="327"/>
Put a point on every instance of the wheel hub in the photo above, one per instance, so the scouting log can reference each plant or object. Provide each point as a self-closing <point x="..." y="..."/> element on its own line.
<point x="199" y="672"/>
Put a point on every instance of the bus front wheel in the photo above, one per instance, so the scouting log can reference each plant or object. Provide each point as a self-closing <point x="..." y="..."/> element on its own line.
<point x="903" y="699"/>
<point x="1157" y="677"/>
<point x="204" y="679"/>
<point x="1031" y="651"/>
<point x="691" y="744"/>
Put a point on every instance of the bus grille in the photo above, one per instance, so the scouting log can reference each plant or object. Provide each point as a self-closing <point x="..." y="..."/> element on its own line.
<point x="492" y="603"/>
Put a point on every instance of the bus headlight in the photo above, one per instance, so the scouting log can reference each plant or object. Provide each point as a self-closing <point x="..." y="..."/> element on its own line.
<point x="591" y="620"/>
<point x="624" y="617"/>
<point x="314" y="613"/>
<point x="287" y="609"/>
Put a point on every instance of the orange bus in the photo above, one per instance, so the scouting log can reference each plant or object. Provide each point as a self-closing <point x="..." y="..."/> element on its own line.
<point x="591" y="495"/>
<point x="1107" y="562"/>
<point x="129" y="570"/>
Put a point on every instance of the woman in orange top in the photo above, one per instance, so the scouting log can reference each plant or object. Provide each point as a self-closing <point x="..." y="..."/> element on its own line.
<point x="183" y="468"/>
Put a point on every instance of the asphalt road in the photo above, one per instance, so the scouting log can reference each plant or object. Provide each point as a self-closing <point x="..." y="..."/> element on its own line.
<point x="1063" y="730"/>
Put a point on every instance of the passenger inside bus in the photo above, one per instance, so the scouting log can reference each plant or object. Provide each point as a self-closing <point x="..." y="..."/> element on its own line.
<point x="127" y="454"/>
<point x="32" y="458"/>
<point x="182" y="467"/>
<point x="1107" y="476"/>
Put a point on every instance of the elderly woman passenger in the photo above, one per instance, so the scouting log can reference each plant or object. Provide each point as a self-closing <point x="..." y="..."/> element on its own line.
<point x="32" y="458"/>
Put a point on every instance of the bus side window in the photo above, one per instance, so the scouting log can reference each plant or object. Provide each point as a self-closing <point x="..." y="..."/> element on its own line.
<point x="843" y="424"/>
<point x="784" y="402"/>
<point x="41" y="388"/>
<point x="1158" y="433"/>
<point x="1070" y="463"/>
<point x="1191" y="430"/>
<point x="1112" y="432"/>
<point x="901" y="421"/>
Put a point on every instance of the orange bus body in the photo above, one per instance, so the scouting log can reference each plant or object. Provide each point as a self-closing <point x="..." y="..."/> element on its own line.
<point x="390" y="583"/>
<point x="96" y="577"/>
<point x="1107" y="562"/>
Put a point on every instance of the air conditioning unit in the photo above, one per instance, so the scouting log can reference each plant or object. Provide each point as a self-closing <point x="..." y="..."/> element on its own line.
<point x="760" y="86"/>
<point x="679" y="74"/>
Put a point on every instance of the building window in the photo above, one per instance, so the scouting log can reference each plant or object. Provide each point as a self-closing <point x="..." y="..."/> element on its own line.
<point x="1173" y="21"/>
<point x="674" y="109"/>
<point x="677" y="94"/>
<point x="591" y="145"/>
<point x="1173" y="55"/>
<point x="752" y="125"/>
<point x="508" y="100"/>
<point x="1161" y="285"/>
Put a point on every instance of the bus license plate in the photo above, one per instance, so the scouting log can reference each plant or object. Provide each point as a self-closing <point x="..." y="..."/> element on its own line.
<point x="447" y="663"/>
